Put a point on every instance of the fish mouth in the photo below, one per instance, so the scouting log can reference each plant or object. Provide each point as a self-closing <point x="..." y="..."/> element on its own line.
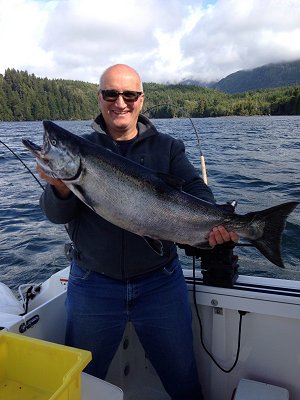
<point x="34" y="148"/>
<point x="40" y="152"/>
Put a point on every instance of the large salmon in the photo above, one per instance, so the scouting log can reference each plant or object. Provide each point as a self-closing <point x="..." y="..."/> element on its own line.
<point x="148" y="203"/>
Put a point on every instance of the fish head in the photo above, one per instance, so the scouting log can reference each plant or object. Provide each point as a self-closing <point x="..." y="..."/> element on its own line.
<point x="59" y="155"/>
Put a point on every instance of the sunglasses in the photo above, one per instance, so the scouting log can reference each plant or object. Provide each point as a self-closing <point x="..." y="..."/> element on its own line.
<point x="128" y="95"/>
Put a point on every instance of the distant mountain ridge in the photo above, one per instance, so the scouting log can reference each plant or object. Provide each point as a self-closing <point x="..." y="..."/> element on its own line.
<point x="265" y="77"/>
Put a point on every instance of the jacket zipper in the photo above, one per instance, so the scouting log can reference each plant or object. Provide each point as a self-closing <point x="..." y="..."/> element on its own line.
<point x="123" y="255"/>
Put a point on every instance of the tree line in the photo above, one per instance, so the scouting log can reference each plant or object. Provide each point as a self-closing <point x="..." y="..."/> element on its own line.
<point x="25" y="97"/>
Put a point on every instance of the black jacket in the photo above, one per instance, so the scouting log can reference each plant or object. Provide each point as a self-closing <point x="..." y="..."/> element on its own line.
<point x="103" y="247"/>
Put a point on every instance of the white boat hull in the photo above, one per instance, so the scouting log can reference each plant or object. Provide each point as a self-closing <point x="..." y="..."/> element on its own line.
<point x="269" y="348"/>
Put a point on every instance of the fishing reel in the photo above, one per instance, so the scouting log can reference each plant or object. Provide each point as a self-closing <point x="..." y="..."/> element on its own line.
<point x="219" y="265"/>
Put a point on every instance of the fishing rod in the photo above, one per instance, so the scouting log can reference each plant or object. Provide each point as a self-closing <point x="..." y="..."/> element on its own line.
<point x="202" y="158"/>
<point x="20" y="159"/>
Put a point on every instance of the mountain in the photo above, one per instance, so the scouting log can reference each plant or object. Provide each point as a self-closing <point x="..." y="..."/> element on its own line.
<point x="193" y="82"/>
<point x="267" y="76"/>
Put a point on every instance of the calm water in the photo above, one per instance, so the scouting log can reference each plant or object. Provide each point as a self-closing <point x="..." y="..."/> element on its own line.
<point x="254" y="160"/>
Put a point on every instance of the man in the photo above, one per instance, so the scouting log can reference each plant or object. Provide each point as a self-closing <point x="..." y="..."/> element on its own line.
<point x="115" y="276"/>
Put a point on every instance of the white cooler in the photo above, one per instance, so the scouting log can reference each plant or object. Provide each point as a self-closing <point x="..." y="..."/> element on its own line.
<point x="253" y="390"/>
<point x="94" y="389"/>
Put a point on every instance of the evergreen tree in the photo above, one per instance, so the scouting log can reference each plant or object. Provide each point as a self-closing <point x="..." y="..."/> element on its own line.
<point x="27" y="97"/>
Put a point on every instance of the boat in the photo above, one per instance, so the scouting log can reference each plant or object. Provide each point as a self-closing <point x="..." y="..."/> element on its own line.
<point x="246" y="338"/>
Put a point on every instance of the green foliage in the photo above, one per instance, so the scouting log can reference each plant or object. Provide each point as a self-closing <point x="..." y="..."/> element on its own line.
<point x="25" y="97"/>
<point x="197" y="102"/>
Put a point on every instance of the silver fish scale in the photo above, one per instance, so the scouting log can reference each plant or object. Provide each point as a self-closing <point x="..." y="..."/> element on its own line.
<point x="143" y="208"/>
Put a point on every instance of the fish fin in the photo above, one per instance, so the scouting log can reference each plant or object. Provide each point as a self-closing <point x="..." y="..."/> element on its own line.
<point x="274" y="220"/>
<point x="204" y="246"/>
<point x="171" y="180"/>
<point x="79" y="192"/>
<point x="156" y="245"/>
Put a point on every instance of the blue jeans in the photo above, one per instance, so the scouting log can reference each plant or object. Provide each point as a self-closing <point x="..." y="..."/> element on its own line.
<point x="99" y="307"/>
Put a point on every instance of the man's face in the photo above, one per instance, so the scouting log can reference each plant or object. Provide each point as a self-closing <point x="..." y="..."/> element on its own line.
<point x="120" y="115"/>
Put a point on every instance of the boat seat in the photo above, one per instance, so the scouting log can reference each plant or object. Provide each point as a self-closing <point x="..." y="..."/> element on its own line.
<point x="8" y="320"/>
<point x="9" y="304"/>
<point x="253" y="390"/>
<point x="93" y="389"/>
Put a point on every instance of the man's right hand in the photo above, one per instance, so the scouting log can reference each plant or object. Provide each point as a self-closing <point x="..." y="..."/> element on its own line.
<point x="61" y="189"/>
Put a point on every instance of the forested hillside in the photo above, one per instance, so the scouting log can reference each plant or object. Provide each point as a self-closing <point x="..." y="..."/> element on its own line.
<point x="27" y="97"/>
<point x="198" y="102"/>
<point x="267" y="76"/>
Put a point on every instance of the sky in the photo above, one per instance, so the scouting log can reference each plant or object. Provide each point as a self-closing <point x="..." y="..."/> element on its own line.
<point x="164" y="40"/>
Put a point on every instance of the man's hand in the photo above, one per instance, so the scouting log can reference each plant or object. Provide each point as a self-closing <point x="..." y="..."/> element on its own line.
<point x="219" y="235"/>
<point x="61" y="189"/>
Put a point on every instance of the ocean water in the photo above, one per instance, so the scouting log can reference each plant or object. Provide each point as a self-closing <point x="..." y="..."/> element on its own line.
<point x="254" y="160"/>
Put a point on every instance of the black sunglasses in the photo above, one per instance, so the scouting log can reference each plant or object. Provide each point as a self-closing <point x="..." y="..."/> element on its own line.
<point x="128" y="95"/>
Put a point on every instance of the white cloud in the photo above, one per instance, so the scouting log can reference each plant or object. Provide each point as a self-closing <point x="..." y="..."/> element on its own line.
<point x="21" y="25"/>
<point x="241" y="34"/>
<point x="164" y="40"/>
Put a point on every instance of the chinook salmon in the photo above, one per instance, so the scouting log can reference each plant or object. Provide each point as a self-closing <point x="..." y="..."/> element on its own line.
<point x="148" y="203"/>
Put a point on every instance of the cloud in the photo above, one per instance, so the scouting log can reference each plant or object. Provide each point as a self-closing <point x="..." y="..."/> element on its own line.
<point x="97" y="34"/>
<point x="21" y="26"/>
<point x="164" y="40"/>
<point x="242" y="34"/>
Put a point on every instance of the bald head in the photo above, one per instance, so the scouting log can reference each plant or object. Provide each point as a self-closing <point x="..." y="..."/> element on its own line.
<point x="121" y="70"/>
<point x="120" y="113"/>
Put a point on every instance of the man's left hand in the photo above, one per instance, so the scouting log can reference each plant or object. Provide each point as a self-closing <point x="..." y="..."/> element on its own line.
<point x="219" y="235"/>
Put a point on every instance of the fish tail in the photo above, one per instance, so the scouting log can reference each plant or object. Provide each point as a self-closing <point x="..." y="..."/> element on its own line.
<point x="274" y="220"/>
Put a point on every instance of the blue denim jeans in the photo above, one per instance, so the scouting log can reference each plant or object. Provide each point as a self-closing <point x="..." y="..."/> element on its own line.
<point x="99" y="307"/>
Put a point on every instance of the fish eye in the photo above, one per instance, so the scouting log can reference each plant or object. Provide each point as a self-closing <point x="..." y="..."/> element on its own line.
<point x="53" y="142"/>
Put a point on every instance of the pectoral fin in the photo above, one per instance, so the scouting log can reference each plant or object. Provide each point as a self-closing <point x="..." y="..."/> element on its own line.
<point x="156" y="245"/>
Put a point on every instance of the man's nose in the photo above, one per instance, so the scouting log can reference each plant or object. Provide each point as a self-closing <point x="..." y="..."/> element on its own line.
<point x="120" y="102"/>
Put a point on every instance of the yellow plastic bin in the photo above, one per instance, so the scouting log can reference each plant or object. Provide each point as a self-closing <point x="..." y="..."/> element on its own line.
<point x="33" y="369"/>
